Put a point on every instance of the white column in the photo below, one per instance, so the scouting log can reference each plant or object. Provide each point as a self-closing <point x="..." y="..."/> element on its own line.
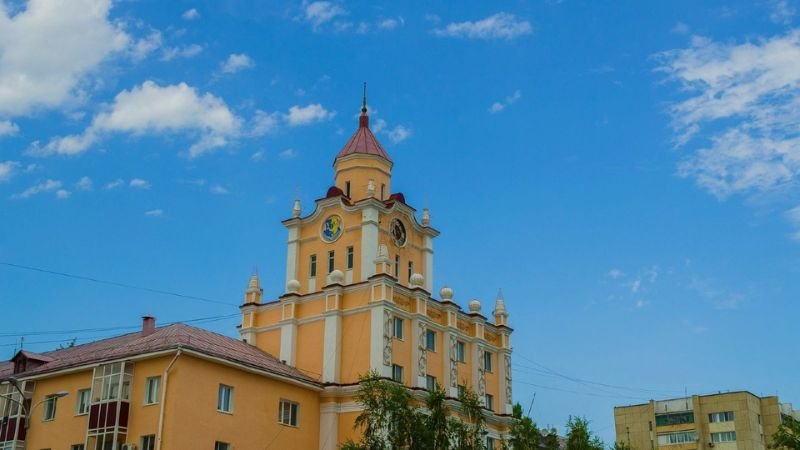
<point x="293" y="250"/>
<point x="328" y="426"/>
<point x="369" y="241"/>
<point x="332" y="344"/>
<point x="427" y="251"/>
<point x="288" y="342"/>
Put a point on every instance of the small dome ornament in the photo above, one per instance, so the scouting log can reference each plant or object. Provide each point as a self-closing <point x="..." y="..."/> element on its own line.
<point x="417" y="280"/>
<point x="474" y="306"/>
<point x="296" y="211"/>
<point x="447" y="294"/>
<point x="426" y="218"/>
<point x="293" y="286"/>
<point x="336" y="277"/>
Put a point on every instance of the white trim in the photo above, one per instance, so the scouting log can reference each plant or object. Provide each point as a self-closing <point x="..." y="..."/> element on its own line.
<point x="332" y="344"/>
<point x="340" y="408"/>
<point x="293" y="251"/>
<point x="288" y="342"/>
<point x="369" y="241"/>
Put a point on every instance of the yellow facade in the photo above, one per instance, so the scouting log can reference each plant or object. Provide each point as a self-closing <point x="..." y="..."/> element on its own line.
<point x="725" y="421"/>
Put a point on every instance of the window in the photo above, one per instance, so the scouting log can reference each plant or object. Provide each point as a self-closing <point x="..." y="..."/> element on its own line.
<point x="759" y="419"/>
<point x="430" y="340"/>
<point x="398" y="328"/>
<point x="76" y="447"/>
<point x="82" y="401"/>
<point x="331" y="261"/>
<point x="222" y="446"/>
<point x="490" y="443"/>
<point x="461" y="390"/>
<point x="312" y="266"/>
<point x="678" y="418"/>
<point x="151" y="390"/>
<point x="724" y="436"/>
<point x="679" y="437"/>
<point x="430" y="382"/>
<point x="347" y="189"/>
<point x="397" y="373"/>
<point x="350" y="258"/>
<point x="287" y="412"/>
<point x="397" y="266"/>
<point x="383" y="191"/>
<point x="148" y="442"/>
<point x="487" y="361"/>
<point x="489" y="402"/>
<point x="461" y="351"/>
<point x="49" y="407"/>
<point x="724" y="416"/>
<point x="410" y="270"/>
<point x="225" y="399"/>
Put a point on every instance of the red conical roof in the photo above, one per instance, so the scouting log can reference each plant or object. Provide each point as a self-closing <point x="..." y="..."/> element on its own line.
<point x="363" y="141"/>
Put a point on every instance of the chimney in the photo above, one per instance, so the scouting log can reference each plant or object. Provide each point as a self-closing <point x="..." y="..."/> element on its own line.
<point x="148" y="325"/>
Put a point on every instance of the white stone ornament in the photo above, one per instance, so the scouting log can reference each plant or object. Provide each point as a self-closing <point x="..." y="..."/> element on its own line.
<point x="337" y="277"/>
<point x="426" y="218"/>
<point x="293" y="286"/>
<point x="417" y="280"/>
<point x="371" y="189"/>
<point x="474" y="305"/>
<point x="296" y="210"/>
<point x="447" y="294"/>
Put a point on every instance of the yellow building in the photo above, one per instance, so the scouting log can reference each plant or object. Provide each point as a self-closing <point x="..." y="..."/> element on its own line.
<point x="724" y="421"/>
<point x="358" y="298"/>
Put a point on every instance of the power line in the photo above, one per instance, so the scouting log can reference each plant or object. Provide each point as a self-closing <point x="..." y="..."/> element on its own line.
<point x="116" y="283"/>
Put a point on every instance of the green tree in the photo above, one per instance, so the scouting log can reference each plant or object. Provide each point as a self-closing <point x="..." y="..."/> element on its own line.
<point x="788" y="434"/>
<point x="469" y="432"/>
<point x="620" y="446"/>
<point x="523" y="435"/>
<point x="579" y="437"/>
<point x="550" y="441"/>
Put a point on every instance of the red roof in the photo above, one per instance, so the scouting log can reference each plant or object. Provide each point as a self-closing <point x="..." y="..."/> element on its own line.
<point x="363" y="142"/>
<point x="163" y="338"/>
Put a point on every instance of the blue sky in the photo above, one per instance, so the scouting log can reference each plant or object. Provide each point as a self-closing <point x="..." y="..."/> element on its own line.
<point x="627" y="173"/>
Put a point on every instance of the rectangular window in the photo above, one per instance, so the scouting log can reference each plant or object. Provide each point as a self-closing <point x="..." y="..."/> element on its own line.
<point x="724" y="416"/>
<point x="312" y="266"/>
<point x="287" y="412"/>
<point x="397" y="328"/>
<point x="76" y="447"/>
<point x="151" y="390"/>
<point x="724" y="436"/>
<point x="350" y="258"/>
<point x="490" y="443"/>
<point x="430" y="382"/>
<point x="331" y="261"/>
<point x="489" y="401"/>
<point x="487" y="361"/>
<point x="383" y="191"/>
<point x="397" y="266"/>
<point x="461" y="351"/>
<point x="148" y="442"/>
<point x="225" y="399"/>
<point x="397" y="373"/>
<point x="49" y="406"/>
<point x="462" y="390"/>
<point x="222" y="446"/>
<point x="678" y="437"/>
<point x="347" y="189"/>
<point x="82" y="401"/>
<point x="410" y="270"/>
<point x="430" y="340"/>
<point x="678" y="418"/>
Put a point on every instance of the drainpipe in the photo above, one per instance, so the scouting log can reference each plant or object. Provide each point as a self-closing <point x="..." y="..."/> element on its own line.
<point x="164" y="398"/>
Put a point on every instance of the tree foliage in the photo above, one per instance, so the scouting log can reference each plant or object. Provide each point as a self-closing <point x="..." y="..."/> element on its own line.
<point x="788" y="434"/>
<point x="620" y="446"/>
<point x="523" y="435"/>
<point x="579" y="437"/>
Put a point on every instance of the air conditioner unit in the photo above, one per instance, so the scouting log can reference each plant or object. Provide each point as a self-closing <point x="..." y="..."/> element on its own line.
<point x="128" y="447"/>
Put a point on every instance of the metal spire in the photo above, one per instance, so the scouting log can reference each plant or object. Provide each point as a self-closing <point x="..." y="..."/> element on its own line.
<point x="364" y="100"/>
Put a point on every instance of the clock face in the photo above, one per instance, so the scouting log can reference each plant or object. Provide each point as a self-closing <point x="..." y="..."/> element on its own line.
<point x="332" y="228"/>
<point x="398" y="232"/>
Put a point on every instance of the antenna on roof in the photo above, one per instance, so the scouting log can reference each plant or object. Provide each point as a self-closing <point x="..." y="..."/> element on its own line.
<point x="364" y="100"/>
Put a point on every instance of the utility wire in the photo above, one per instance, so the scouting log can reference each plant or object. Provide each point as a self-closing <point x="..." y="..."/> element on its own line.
<point x="116" y="283"/>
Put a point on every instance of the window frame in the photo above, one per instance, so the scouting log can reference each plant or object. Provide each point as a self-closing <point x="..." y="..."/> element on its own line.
<point x="723" y="434"/>
<point x="219" y="445"/>
<point x="397" y="266"/>
<point x="331" y="260"/>
<point x="430" y="340"/>
<point x="294" y="413"/>
<point x="461" y="351"/>
<point x="221" y="404"/>
<point x="488" y="400"/>
<point x="312" y="266"/>
<point x="79" y="394"/>
<point x="49" y="407"/>
<point x="430" y="382"/>
<point x="410" y="270"/>
<point x="398" y="331"/>
<point x="143" y="440"/>
<point x="148" y="391"/>
<point x="350" y="257"/>
<point x="347" y="189"/>
<point x="396" y="368"/>
<point x="487" y="361"/>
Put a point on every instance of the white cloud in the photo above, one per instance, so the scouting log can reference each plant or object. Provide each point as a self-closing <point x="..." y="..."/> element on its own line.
<point x="289" y="153"/>
<point x="63" y="194"/>
<point x="119" y="182"/>
<point x="236" y="63"/>
<point x="680" y="28"/>
<point x="154" y="213"/>
<point x="263" y="123"/>
<point x="138" y="183"/>
<point x="84" y="184"/>
<point x="793" y="215"/>
<point x="145" y="46"/>
<point x="45" y="186"/>
<point x="48" y="50"/>
<point x="190" y="14"/>
<point x="782" y="12"/>
<point x="399" y="134"/>
<point x="188" y="51"/>
<point x="615" y="274"/>
<point x="304" y="115"/>
<point x="257" y="156"/>
<point x="498" y="26"/>
<point x="508" y="101"/>
<point x="636" y="285"/>
<point x="7" y="127"/>
<point x="640" y="304"/>
<point x="7" y="170"/>
<point x="391" y="23"/>
<point x="322" y="12"/>
<point x="219" y="190"/>
<point x="748" y="97"/>
<point x="432" y="18"/>
<point x="378" y="125"/>
<point x="153" y="109"/>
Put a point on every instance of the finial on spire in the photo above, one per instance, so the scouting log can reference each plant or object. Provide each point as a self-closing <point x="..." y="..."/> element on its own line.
<point x="364" y="100"/>
<point x="296" y="211"/>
